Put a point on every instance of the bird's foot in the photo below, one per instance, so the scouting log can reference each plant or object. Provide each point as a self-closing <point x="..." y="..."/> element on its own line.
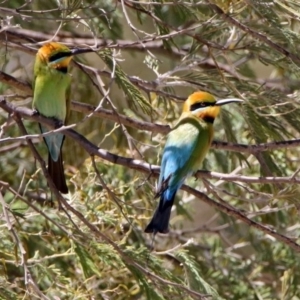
<point x="57" y="123"/>
<point x="35" y="112"/>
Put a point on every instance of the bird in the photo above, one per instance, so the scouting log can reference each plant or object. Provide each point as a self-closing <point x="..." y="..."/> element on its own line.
<point x="51" y="98"/>
<point x="185" y="149"/>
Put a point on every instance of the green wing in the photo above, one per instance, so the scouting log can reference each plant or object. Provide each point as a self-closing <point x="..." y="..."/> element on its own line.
<point x="68" y="104"/>
<point x="185" y="149"/>
<point x="52" y="99"/>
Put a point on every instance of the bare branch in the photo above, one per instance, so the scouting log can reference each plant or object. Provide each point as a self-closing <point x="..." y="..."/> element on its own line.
<point x="147" y="168"/>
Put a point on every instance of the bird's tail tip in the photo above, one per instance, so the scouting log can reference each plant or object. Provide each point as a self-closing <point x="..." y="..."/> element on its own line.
<point x="160" y="221"/>
<point x="56" y="171"/>
<point x="152" y="228"/>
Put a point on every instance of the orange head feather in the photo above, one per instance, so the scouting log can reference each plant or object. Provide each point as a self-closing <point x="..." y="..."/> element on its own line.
<point x="202" y="105"/>
<point x="56" y="55"/>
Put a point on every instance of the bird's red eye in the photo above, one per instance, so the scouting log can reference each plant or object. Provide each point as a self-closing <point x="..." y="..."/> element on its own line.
<point x="201" y="104"/>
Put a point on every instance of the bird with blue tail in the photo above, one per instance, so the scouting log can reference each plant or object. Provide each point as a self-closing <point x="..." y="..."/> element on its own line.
<point x="185" y="149"/>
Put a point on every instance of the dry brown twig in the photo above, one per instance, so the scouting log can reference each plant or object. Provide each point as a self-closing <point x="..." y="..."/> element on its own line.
<point x="28" y="279"/>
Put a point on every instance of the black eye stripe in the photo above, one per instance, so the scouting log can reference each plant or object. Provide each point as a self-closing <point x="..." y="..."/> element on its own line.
<point x="59" y="55"/>
<point x="198" y="105"/>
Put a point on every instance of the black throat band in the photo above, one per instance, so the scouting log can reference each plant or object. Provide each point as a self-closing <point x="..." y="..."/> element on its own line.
<point x="209" y="119"/>
<point x="62" y="69"/>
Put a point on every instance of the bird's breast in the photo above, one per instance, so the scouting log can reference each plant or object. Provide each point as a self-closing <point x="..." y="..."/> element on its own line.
<point x="50" y="95"/>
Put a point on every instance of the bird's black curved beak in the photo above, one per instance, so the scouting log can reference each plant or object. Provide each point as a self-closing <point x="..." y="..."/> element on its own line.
<point x="227" y="101"/>
<point x="81" y="51"/>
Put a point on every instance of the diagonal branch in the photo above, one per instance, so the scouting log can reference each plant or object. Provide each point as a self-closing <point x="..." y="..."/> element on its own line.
<point x="145" y="168"/>
<point x="156" y="128"/>
<point x="231" y="211"/>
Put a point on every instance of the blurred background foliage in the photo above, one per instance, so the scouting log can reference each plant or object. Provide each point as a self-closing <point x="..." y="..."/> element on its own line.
<point x="152" y="55"/>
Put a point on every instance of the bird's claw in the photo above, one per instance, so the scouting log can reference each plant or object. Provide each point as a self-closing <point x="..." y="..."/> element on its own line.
<point x="35" y="112"/>
<point x="57" y="123"/>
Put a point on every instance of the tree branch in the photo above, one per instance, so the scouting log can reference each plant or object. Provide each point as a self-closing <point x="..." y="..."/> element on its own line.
<point x="153" y="170"/>
<point x="231" y="211"/>
<point x="156" y="128"/>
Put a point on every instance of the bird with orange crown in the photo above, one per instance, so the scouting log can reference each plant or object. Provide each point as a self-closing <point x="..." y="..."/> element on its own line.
<point x="184" y="152"/>
<point x="51" y="98"/>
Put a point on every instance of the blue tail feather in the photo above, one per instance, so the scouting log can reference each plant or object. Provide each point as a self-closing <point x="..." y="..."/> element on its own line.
<point x="54" y="143"/>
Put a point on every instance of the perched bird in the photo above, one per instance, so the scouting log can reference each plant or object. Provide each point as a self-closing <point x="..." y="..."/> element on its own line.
<point x="185" y="149"/>
<point x="51" y="98"/>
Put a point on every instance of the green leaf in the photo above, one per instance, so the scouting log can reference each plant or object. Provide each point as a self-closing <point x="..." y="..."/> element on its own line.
<point x="86" y="261"/>
<point x="134" y="95"/>
<point x="193" y="276"/>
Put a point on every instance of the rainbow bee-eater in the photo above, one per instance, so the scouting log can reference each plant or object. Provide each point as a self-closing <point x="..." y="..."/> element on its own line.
<point x="51" y="98"/>
<point x="184" y="152"/>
